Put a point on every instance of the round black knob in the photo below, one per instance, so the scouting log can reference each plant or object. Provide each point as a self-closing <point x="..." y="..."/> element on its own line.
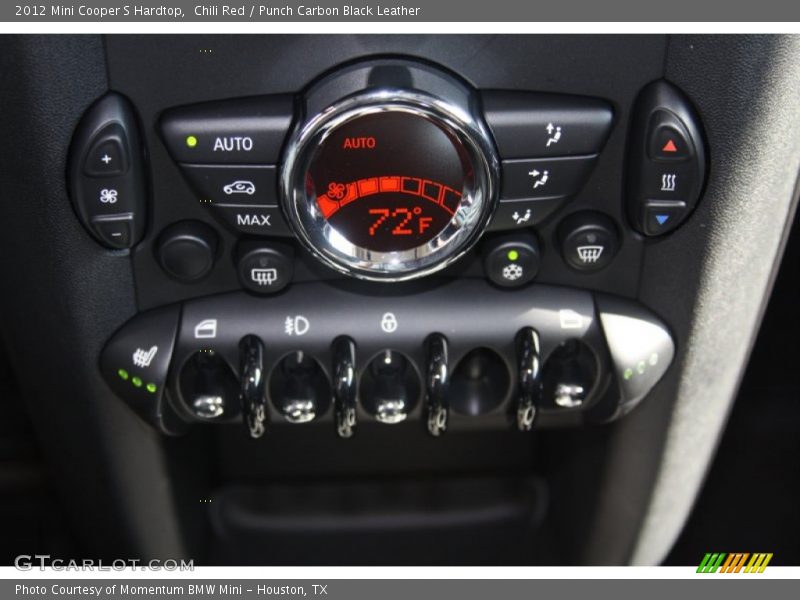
<point x="186" y="250"/>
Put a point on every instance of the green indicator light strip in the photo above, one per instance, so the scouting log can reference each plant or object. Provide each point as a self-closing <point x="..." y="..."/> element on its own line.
<point x="151" y="387"/>
<point x="123" y="374"/>
<point x="136" y="381"/>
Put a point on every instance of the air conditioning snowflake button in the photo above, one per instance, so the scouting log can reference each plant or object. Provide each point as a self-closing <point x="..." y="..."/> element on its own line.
<point x="511" y="261"/>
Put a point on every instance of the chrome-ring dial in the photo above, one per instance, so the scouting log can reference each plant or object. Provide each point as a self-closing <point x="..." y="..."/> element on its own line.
<point x="359" y="228"/>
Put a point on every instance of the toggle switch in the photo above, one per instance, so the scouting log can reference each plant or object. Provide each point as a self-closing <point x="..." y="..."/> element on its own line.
<point x="569" y="376"/>
<point x="436" y="382"/>
<point x="345" y="386"/>
<point x="528" y="354"/>
<point x="209" y="387"/>
<point x="252" y="396"/>
<point x="299" y="388"/>
<point x="390" y="388"/>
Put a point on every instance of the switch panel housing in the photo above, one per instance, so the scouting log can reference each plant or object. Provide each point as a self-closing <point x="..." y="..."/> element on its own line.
<point x="580" y="350"/>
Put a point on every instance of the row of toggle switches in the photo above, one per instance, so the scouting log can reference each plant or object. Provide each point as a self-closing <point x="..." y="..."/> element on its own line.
<point x="391" y="395"/>
<point x="554" y="356"/>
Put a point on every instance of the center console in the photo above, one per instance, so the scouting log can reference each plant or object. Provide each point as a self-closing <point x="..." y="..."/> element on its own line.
<point x="388" y="242"/>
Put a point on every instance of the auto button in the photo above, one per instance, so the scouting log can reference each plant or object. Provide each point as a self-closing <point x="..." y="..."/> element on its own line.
<point x="241" y="131"/>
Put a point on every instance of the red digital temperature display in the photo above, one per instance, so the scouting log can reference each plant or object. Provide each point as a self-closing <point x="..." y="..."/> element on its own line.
<point x="388" y="181"/>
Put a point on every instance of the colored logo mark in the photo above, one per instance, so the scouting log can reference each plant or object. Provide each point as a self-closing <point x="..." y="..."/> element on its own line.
<point x="734" y="562"/>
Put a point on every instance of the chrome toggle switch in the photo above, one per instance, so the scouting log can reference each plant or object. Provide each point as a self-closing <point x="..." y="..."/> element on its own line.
<point x="437" y="381"/>
<point x="253" y="398"/>
<point x="529" y="378"/>
<point x="344" y="386"/>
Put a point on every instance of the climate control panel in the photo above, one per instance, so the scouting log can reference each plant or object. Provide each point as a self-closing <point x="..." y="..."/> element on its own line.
<point x="390" y="243"/>
<point x="390" y="170"/>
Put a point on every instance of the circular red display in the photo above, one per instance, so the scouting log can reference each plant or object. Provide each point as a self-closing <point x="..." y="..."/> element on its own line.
<point x="388" y="181"/>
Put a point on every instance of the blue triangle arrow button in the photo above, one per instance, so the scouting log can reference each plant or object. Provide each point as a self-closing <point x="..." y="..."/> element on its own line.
<point x="662" y="219"/>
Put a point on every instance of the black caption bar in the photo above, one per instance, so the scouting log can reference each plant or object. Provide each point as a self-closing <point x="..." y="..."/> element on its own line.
<point x="735" y="587"/>
<point x="776" y="11"/>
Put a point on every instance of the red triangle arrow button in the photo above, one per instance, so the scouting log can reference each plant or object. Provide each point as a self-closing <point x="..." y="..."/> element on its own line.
<point x="669" y="147"/>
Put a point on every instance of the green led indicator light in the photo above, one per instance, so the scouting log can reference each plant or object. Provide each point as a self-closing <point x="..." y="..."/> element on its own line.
<point x="136" y="381"/>
<point x="151" y="387"/>
<point x="627" y="374"/>
<point x="653" y="359"/>
<point x="513" y="255"/>
<point x="641" y="367"/>
<point x="191" y="141"/>
<point x="123" y="374"/>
